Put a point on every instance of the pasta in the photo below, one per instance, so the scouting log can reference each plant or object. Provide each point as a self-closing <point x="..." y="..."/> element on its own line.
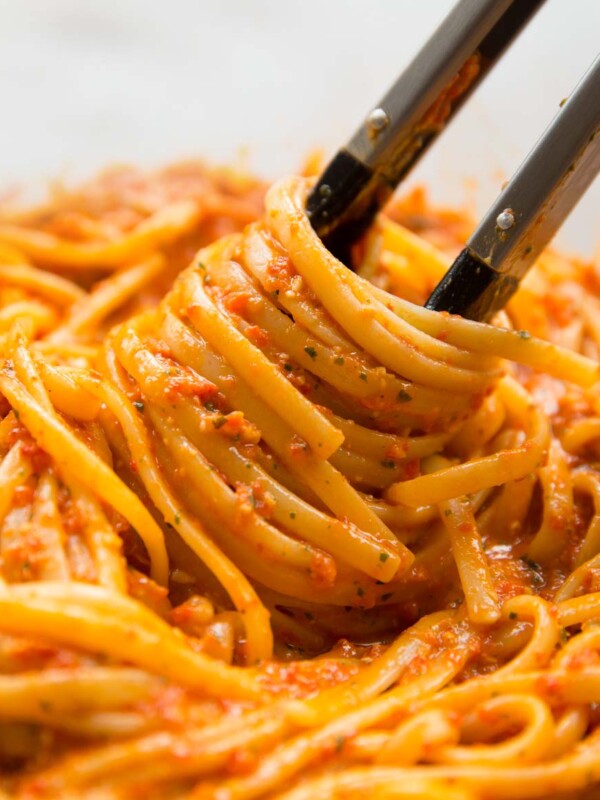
<point x="269" y="527"/>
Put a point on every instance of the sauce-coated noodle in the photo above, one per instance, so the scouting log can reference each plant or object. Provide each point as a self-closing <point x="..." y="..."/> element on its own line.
<point x="270" y="528"/>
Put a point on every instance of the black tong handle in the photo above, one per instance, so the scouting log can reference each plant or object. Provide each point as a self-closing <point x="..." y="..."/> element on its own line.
<point x="362" y="176"/>
<point x="529" y="210"/>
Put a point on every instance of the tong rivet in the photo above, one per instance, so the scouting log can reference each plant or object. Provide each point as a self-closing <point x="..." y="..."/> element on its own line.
<point x="377" y="121"/>
<point x="505" y="220"/>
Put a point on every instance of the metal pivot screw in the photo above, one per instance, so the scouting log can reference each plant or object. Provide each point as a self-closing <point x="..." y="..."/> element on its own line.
<point x="505" y="220"/>
<point x="377" y="121"/>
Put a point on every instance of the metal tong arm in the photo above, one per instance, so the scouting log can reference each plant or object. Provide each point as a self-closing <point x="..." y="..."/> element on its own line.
<point x="530" y="209"/>
<point x="362" y="176"/>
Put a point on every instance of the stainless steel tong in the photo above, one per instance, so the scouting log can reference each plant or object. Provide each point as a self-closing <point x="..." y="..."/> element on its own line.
<point x="553" y="177"/>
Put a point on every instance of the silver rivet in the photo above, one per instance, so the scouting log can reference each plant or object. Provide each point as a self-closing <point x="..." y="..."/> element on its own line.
<point x="505" y="220"/>
<point x="377" y="121"/>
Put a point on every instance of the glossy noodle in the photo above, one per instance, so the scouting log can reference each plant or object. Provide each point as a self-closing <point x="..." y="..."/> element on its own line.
<point x="270" y="528"/>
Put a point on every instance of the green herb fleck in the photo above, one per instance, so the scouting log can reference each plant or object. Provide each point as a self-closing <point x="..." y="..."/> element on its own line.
<point x="524" y="335"/>
<point x="219" y="421"/>
<point x="340" y="361"/>
<point x="287" y="367"/>
<point x="292" y="515"/>
<point x="535" y="570"/>
<point x="513" y="615"/>
<point x="531" y="564"/>
<point x="210" y="406"/>
<point x="201" y="265"/>
<point x="16" y="413"/>
<point x="139" y="405"/>
<point x="360" y="591"/>
<point x="388" y="463"/>
<point x="311" y="352"/>
<point x="294" y="647"/>
<point x="177" y="519"/>
<point x="363" y="376"/>
<point x="383" y="557"/>
<point x="448" y="512"/>
<point x="403" y="396"/>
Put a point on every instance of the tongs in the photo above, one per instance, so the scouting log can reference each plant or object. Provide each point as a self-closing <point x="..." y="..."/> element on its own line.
<point x="532" y="206"/>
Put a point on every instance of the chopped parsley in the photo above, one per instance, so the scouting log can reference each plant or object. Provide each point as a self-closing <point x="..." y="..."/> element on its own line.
<point x="294" y="648"/>
<point x="383" y="557"/>
<point x="388" y="463"/>
<point x="219" y="421"/>
<point x="340" y="361"/>
<point x="311" y="352"/>
<point x="287" y="367"/>
<point x="363" y="376"/>
<point x="535" y="569"/>
<point x="403" y="396"/>
<point x="531" y="564"/>
<point x="524" y="335"/>
<point x="139" y="405"/>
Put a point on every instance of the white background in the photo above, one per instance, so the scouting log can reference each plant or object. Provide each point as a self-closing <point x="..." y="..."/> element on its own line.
<point x="84" y="83"/>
